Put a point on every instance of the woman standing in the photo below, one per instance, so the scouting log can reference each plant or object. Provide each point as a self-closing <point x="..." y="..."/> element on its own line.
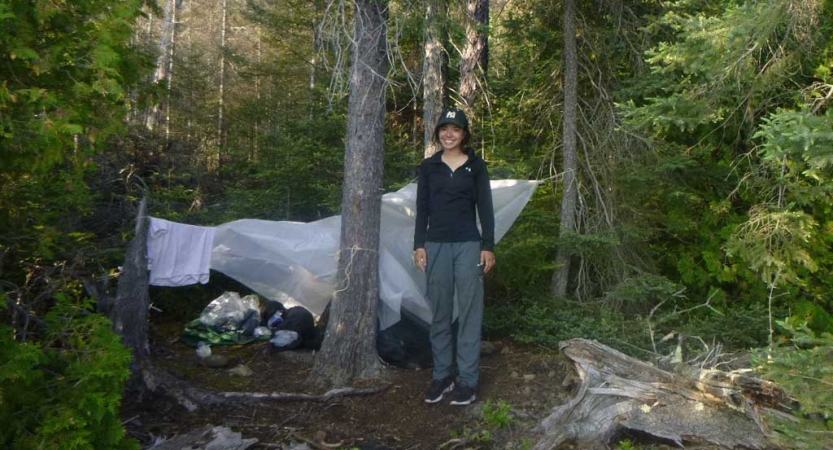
<point x="454" y="189"/>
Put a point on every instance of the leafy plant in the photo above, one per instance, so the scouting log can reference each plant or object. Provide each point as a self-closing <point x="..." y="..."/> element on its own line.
<point x="803" y="365"/>
<point x="64" y="390"/>
<point x="497" y="414"/>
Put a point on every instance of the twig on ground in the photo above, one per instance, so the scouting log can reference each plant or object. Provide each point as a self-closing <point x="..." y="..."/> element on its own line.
<point x="453" y="443"/>
<point x="294" y="397"/>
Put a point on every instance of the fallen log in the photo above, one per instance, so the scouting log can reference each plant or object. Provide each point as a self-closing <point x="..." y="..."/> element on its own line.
<point x="619" y="393"/>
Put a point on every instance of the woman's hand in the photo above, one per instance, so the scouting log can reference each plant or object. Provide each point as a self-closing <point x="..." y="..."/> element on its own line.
<point x="487" y="260"/>
<point x="421" y="258"/>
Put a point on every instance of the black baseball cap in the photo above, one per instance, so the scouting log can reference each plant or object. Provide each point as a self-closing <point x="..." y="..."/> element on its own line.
<point x="454" y="116"/>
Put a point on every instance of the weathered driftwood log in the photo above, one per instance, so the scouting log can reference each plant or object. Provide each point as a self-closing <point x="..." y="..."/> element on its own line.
<point x="620" y="393"/>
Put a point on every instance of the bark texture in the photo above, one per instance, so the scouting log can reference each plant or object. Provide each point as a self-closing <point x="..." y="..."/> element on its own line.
<point x="433" y="79"/>
<point x="221" y="91"/>
<point x="129" y="311"/>
<point x="689" y="406"/>
<point x="475" y="59"/>
<point x="164" y="62"/>
<point x="569" y="199"/>
<point x="349" y="348"/>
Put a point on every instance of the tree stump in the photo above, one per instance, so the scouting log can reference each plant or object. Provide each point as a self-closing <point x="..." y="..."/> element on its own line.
<point x="620" y="393"/>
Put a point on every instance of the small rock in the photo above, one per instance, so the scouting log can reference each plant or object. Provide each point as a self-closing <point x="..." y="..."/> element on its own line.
<point x="298" y="446"/>
<point x="203" y="349"/>
<point x="476" y="411"/>
<point x="529" y="377"/>
<point x="514" y="374"/>
<point x="527" y="390"/>
<point x="505" y="350"/>
<point x="551" y="374"/>
<point x="225" y="439"/>
<point x="241" y="371"/>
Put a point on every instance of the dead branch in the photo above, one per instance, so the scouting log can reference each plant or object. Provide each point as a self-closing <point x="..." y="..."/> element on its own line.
<point x="295" y="397"/>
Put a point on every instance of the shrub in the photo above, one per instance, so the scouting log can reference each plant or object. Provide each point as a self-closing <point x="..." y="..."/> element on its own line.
<point x="803" y="365"/>
<point x="545" y="322"/>
<point x="64" y="390"/>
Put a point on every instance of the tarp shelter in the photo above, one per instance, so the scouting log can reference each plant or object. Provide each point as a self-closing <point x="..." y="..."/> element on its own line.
<point x="296" y="263"/>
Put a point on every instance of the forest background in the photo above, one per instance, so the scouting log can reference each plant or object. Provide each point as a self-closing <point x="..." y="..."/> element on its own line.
<point x="704" y="149"/>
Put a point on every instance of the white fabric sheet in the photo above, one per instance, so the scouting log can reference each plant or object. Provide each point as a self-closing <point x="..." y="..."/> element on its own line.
<point x="179" y="254"/>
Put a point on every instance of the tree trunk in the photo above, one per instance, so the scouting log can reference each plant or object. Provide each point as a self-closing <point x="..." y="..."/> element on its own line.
<point x="693" y="405"/>
<point x="560" y="278"/>
<point x="433" y="81"/>
<point x="129" y="311"/>
<point x="349" y="348"/>
<point x="163" y="62"/>
<point x="221" y="125"/>
<point x="255" y="144"/>
<point x="177" y="7"/>
<point x="475" y="60"/>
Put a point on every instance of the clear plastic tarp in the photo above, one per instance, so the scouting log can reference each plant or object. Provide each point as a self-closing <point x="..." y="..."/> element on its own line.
<point x="295" y="263"/>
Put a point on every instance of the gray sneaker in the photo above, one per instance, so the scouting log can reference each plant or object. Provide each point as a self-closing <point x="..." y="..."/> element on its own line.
<point x="463" y="395"/>
<point x="438" y="389"/>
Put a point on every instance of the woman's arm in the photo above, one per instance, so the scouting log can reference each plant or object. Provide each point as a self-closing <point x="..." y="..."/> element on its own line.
<point x="421" y="223"/>
<point x="485" y="210"/>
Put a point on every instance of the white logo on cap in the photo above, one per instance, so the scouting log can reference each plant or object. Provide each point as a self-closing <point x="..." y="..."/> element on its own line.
<point x="450" y="114"/>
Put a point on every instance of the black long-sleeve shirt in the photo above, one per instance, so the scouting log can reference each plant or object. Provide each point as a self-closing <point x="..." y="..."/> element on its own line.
<point x="448" y="203"/>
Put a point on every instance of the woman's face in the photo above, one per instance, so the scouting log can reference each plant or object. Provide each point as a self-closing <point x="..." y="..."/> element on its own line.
<point x="451" y="136"/>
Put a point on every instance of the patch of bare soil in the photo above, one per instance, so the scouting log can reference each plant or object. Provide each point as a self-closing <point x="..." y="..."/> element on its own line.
<point x="525" y="382"/>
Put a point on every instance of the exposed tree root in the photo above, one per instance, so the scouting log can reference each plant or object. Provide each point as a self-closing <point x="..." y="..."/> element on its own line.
<point x="192" y="398"/>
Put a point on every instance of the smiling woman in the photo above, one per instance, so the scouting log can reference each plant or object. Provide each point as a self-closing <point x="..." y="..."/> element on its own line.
<point x="453" y="190"/>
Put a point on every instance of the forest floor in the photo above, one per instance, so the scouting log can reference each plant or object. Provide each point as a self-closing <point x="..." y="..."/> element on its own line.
<point x="519" y="386"/>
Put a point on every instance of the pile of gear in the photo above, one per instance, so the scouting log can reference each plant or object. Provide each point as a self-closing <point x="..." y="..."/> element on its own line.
<point x="232" y="320"/>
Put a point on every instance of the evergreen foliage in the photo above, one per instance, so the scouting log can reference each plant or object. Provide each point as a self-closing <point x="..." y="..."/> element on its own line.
<point x="733" y="135"/>
<point x="801" y="364"/>
<point x="64" y="390"/>
<point x="66" y="71"/>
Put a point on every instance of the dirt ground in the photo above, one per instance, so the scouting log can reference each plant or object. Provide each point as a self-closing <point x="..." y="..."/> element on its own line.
<point x="519" y="386"/>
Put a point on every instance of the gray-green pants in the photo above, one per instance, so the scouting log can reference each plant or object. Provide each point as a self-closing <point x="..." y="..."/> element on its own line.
<point x="455" y="265"/>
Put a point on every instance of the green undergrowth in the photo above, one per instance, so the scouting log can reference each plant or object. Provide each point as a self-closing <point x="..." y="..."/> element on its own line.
<point x="801" y="361"/>
<point x="498" y="429"/>
<point x="541" y="320"/>
<point x="63" y="389"/>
